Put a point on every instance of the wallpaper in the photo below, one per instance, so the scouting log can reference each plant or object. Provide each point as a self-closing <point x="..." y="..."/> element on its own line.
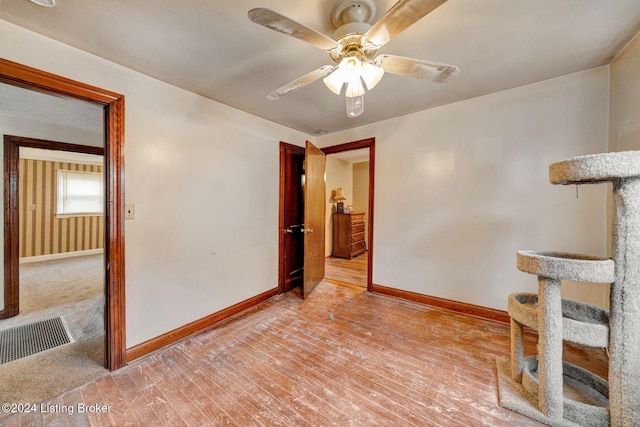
<point x="41" y="233"/>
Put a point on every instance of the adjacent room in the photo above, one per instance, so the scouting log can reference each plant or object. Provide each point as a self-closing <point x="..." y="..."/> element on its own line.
<point x="235" y="138"/>
<point x="347" y="225"/>
<point x="60" y="239"/>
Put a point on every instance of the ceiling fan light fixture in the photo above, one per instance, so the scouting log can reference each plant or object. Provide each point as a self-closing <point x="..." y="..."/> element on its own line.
<point x="45" y="3"/>
<point x="351" y="67"/>
<point x="348" y="71"/>
<point x="335" y="81"/>
<point x="354" y="88"/>
<point x="355" y="106"/>
<point x="371" y="74"/>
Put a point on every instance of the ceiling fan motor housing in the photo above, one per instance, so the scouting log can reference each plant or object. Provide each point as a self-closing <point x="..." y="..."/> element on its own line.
<point x="352" y="17"/>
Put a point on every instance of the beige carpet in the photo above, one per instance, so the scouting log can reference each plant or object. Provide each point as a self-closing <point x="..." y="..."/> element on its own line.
<point x="74" y="289"/>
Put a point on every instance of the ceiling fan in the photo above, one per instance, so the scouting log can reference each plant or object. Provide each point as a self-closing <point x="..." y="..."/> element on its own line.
<point x="353" y="47"/>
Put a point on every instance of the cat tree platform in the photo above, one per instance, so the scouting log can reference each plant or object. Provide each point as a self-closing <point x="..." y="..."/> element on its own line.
<point x="581" y="323"/>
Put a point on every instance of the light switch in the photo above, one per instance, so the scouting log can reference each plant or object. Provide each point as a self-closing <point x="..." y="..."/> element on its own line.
<point x="129" y="211"/>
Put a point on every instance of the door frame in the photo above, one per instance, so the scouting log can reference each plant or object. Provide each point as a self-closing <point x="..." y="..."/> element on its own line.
<point x="369" y="143"/>
<point x="285" y="150"/>
<point x="33" y="79"/>
<point x="11" y="162"/>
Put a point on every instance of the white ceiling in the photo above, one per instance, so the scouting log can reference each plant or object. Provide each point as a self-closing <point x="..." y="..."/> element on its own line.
<point x="211" y="48"/>
<point x="20" y="102"/>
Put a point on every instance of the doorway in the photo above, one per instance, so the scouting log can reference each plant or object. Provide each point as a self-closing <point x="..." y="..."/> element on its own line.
<point x="61" y="267"/>
<point x="113" y="104"/>
<point x="301" y="218"/>
<point x="291" y="242"/>
<point x="351" y="168"/>
<point x="347" y="243"/>
<point x="291" y="182"/>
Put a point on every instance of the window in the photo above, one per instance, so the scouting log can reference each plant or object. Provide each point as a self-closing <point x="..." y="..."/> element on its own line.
<point x="80" y="193"/>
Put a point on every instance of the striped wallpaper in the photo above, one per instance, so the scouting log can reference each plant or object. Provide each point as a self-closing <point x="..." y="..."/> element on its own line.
<point x="41" y="233"/>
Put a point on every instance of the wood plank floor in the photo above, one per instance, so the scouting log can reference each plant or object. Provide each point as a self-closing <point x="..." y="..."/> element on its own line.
<point x="341" y="357"/>
<point x="351" y="271"/>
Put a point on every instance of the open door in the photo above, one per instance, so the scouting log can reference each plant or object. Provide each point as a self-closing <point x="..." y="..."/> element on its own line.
<point x="314" y="212"/>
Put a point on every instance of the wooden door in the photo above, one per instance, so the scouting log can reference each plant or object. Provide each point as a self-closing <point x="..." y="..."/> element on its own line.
<point x="314" y="218"/>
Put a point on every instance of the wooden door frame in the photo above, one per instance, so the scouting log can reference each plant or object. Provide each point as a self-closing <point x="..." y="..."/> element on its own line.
<point x="369" y="143"/>
<point x="33" y="79"/>
<point x="284" y="148"/>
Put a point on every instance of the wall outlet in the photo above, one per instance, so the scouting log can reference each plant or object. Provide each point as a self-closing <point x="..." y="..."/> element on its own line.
<point x="129" y="211"/>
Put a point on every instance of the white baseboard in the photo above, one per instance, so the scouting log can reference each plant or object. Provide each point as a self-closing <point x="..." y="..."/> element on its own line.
<point x="39" y="258"/>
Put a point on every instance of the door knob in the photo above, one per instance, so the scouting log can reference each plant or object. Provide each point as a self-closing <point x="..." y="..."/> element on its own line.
<point x="307" y="230"/>
<point x="292" y="228"/>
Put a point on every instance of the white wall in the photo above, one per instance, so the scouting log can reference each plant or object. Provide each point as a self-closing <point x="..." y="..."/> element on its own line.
<point x="461" y="188"/>
<point x="203" y="178"/>
<point x="624" y="129"/>
<point x="338" y="174"/>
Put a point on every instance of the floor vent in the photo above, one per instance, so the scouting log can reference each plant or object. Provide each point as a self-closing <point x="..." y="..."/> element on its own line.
<point x="25" y="340"/>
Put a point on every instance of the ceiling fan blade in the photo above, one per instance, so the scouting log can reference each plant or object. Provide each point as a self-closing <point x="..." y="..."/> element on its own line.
<point x="274" y="21"/>
<point x="300" y="82"/>
<point x="417" y="68"/>
<point x="401" y="16"/>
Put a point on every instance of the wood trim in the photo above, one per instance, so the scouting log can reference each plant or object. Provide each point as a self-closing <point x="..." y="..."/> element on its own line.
<point x="33" y="79"/>
<point x="115" y="315"/>
<point x="53" y="145"/>
<point x="284" y="148"/>
<point x="348" y="146"/>
<point x="459" y="307"/>
<point x="369" y="143"/>
<point x="11" y="228"/>
<point x="197" y="326"/>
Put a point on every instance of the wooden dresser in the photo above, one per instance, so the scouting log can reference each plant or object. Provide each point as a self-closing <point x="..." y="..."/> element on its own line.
<point x="348" y="235"/>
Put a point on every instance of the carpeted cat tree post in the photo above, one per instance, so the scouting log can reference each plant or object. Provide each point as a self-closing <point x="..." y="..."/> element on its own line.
<point x="537" y="386"/>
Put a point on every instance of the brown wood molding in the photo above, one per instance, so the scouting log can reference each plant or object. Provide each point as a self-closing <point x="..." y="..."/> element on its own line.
<point x="53" y="145"/>
<point x="196" y="327"/>
<point x="285" y="149"/>
<point x="369" y="143"/>
<point x="11" y="229"/>
<point x="348" y="146"/>
<point x="33" y="79"/>
<point x="460" y="307"/>
<point x="115" y="315"/>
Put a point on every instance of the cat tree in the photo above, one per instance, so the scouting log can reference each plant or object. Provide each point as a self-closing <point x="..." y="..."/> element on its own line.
<point x="545" y="388"/>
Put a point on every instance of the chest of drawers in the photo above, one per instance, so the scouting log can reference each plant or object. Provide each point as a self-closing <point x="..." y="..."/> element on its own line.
<point x="348" y="235"/>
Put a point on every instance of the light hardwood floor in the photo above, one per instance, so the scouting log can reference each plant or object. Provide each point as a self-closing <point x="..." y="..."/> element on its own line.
<point x="341" y="357"/>
<point x="351" y="271"/>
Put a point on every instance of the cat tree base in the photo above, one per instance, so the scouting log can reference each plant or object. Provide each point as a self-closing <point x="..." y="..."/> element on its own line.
<point x="585" y="400"/>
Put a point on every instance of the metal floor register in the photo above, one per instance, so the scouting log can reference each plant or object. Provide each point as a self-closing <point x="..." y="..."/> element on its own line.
<point x="25" y="340"/>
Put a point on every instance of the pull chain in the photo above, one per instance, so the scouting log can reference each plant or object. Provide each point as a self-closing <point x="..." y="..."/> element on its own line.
<point x="576" y="191"/>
